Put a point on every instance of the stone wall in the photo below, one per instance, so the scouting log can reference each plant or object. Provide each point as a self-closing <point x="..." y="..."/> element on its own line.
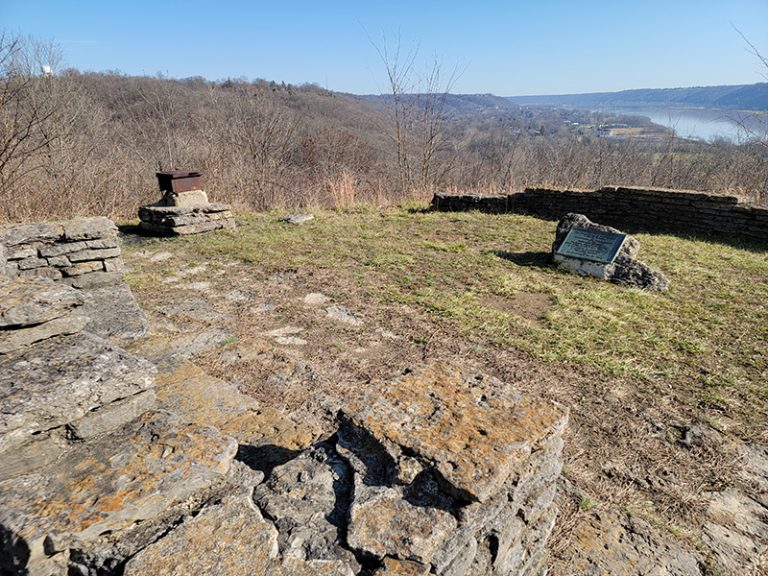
<point x="80" y="251"/>
<point x="85" y="254"/>
<point x="627" y="208"/>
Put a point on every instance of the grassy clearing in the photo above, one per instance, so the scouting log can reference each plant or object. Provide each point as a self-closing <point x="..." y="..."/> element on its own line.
<point x="703" y="344"/>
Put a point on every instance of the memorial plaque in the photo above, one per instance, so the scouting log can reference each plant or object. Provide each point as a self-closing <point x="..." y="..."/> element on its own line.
<point x="594" y="245"/>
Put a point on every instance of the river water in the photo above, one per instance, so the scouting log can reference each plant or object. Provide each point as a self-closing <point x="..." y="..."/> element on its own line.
<point x="703" y="124"/>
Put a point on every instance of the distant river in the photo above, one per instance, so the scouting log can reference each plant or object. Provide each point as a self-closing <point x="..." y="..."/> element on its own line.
<point x="702" y="124"/>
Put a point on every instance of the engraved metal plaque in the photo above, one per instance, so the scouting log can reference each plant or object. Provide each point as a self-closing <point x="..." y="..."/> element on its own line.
<point x="592" y="245"/>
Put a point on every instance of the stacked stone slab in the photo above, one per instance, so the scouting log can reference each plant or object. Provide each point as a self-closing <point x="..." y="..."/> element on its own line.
<point x="81" y="252"/>
<point x="629" y="208"/>
<point x="85" y="254"/>
<point x="439" y="472"/>
<point x="184" y="207"/>
<point x="91" y="472"/>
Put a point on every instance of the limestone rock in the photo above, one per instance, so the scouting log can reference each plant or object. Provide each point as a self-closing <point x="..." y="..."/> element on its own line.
<point x="88" y="228"/>
<point x="112" y="309"/>
<point x="608" y="543"/>
<point x="474" y="433"/>
<point x="16" y="339"/>
<point x="14" y="235"/>
<point x="296" y="567"/>
<point x="181" y="220"/>
<point x="343" y="315"/>
<point x="185" y="199"/>
<point x="61" y="379"/>
<point x="108" y="499"/>
<point x="625" y="269"/>
<point x="394" y="567"/>
<point x="737" y="532"/>
<point x="305" y="499"/>
<point x="26" y="302"/>
<point x="298" y="219"/>
<point x="385" y="523"/>
<point x="229" y="539"/>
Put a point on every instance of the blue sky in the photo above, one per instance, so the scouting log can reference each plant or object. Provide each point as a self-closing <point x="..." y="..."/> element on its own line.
<point x="506" y="48"/>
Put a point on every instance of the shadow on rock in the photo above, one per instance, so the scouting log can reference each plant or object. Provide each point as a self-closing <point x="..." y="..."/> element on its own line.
<point x="265" y="458"/>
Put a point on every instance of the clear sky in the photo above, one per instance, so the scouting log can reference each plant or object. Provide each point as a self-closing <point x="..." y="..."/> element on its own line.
<point x="503" y="47"/>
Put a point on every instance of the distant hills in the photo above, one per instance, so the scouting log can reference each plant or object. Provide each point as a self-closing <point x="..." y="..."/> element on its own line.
<point x="743" y="97"/>
<point x="458" y="104"/>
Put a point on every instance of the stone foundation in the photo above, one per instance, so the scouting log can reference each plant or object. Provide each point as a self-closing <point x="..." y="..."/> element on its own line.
<point x="628" y="208"/>
<point x="182" y="220"/>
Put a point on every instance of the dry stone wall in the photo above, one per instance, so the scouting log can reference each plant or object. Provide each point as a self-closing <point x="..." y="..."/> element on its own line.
<point x="83" y="253"/>
<point x="628" y="208"/>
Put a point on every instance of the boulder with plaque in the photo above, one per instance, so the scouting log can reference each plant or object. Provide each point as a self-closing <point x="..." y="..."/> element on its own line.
<point x="589" y="249"/>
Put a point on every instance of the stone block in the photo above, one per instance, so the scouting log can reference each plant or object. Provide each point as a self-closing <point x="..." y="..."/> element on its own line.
<point x="47" y="272"/>
<point x="83" y="268"/>
<point x="88" y="228"/>
<point x="475" y="435"/>
<point x="383" y="523"/>
<point x="229" y="539"/>
<point x="94" y="254"/>
<point x="59" y="261"/>
<point x="34" y="301"/>
<point x="59" y="380"/>
<point x="61" y="248"/>
<point x="186" y="199"/>
<point x="16" y="234"/>
<point x="14" y="339"/>
<point x="22" y="251"/>
<point x="114" y="265"/>
<point x="106" y="500"/>
<point x="32" y="262"/>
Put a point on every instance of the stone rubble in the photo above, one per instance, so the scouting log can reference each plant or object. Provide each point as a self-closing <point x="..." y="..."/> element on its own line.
<point x="625" y="270"/>
<point x="110" y="468"/>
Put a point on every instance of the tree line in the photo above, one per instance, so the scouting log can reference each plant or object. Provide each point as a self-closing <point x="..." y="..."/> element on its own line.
<point x="90" y="143"/>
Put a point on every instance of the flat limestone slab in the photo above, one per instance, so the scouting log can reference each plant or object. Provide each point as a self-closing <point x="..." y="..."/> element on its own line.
<point x="31" y="301"/>
<point x="154" y="469"/>
<point x="199" y="397"/>
<point x="230" y="539"/>
<point x="60" y="380"/>
<point x="476" y="432"/>
<point x="113" y="312"/>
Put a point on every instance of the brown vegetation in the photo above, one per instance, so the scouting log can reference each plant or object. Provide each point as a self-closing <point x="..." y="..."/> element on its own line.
<point x="89" y="143"/>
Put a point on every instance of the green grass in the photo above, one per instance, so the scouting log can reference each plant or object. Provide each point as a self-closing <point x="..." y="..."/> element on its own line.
<point x="704" y="343"/>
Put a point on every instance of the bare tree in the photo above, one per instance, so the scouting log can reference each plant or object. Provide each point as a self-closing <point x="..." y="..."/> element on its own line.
<point x="26" y="108"/>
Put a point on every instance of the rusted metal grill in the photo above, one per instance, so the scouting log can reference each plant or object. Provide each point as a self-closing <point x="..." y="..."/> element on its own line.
<point x="178" y="181"/>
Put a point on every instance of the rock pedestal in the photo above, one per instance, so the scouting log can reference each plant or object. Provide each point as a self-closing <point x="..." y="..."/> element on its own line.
<point x="625" y="269"/>
<point x="184" y="207"/>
